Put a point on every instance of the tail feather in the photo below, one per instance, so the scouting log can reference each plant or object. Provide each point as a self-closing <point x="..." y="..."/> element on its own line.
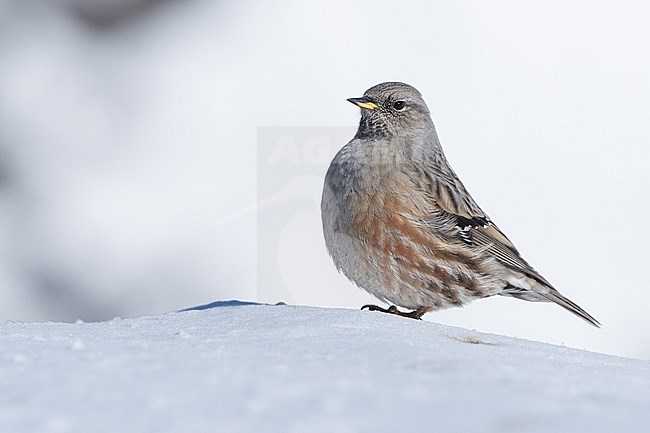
<point x="526" y="288"/>
<point x="566" y="303"/>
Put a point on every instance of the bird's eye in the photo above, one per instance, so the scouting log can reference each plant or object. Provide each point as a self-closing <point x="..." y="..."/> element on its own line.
<point x="399" y="105"/>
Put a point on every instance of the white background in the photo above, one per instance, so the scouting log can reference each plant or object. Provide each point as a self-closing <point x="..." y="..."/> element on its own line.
<point x="128" y="149"/>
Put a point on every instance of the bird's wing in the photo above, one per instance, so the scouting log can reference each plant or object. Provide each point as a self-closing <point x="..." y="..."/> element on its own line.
<point x="474" y="226"/>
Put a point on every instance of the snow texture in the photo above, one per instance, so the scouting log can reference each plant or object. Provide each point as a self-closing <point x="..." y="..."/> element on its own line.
<point x="242" y="367"/>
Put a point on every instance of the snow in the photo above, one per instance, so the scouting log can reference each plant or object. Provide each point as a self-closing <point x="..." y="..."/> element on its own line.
<point x="156" y="154"/>
<point x="245" y="367"/>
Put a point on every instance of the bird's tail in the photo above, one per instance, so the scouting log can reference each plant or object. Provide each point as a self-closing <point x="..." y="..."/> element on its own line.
<point x="532" y="290"/>
<point x="566" y="303"/>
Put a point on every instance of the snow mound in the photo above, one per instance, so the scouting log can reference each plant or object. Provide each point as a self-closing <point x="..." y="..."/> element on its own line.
<point x="241" y="367"/>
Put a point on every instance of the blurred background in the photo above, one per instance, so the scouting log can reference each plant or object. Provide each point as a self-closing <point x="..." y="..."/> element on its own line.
<point x="159" y="154"/>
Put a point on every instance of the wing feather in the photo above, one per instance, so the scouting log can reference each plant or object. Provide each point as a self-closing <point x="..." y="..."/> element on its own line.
<point x="474" y="226"/>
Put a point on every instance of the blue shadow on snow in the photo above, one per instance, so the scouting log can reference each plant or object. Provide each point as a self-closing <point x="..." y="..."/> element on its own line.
<point x="232" y="303"/>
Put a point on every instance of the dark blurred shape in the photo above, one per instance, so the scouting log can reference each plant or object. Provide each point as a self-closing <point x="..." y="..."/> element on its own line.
<point x="68" y="304"/>
<point x="4" y="169"/>
<point x="104" y="14"/>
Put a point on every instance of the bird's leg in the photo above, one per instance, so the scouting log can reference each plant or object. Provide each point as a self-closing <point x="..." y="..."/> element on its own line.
<point x="415" y="314"/>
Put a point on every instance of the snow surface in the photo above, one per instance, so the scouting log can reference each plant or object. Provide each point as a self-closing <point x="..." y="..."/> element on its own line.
<point x="241" y="367"/>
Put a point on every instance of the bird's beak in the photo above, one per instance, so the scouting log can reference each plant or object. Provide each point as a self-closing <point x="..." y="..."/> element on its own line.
<point x="364" y="102"/>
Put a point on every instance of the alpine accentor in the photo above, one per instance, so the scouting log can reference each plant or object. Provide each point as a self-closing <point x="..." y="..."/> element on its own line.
<point x="400" y="224"/>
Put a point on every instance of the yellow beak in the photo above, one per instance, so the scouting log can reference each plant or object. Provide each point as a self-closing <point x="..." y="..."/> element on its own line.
<point x="364" y="102"/>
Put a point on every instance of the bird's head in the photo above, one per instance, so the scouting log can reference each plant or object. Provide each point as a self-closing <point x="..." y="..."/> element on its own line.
<point x="392" y="108"/>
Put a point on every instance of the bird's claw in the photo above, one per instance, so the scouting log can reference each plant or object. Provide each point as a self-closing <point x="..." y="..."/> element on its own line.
<point x="415" y="314"/>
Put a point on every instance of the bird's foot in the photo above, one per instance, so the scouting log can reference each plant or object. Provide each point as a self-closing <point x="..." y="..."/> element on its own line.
<point x="415" y="314"/>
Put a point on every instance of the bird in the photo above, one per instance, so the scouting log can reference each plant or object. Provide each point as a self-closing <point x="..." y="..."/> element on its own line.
<point x="400" y="224"/>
